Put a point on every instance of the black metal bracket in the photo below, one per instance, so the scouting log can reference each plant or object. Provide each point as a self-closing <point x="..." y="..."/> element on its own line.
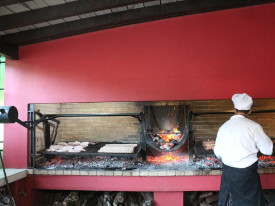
<point x="24" y="124"/>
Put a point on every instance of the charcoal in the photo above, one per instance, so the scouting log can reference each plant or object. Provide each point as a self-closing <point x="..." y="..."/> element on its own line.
<point x="202" y="162"/>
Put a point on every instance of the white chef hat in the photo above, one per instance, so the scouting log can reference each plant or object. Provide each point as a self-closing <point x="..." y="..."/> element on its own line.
<point x="242" y="101"/>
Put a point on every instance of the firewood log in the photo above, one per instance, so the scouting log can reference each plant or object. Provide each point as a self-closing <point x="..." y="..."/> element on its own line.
<point x="190" y="197"/>
<point x="113" y="196"/>
<point x="91" y="201"/>
<point x="86" y="198"/>
<point x="87" y="195"/>
<point x="205" y="194"/>
<point x="99" y="201"/>
<point x="130" y="201"/>
<point x="107" y="199"/>
<point x="205" y="204"/>
<point x="57" y="204"/>
<point x="212" y="198"/>
<point x="119" y="199"/>
<point x="148" y="199"/>
<point x="72" y="199"/>
<point x="108" y="204"/>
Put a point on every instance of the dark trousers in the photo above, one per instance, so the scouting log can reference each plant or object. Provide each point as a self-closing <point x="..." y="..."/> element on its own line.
<point x="243" y="184"/>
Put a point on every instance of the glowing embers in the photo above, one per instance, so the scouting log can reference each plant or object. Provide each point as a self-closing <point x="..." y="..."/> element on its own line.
<point x="208" y="161"/>
<point x="266" y="161"/>
<point x="269" y="159"/>
<point x="167" y="141"/>
<point x="54" y="161"/>
<point x="167" y="158"/>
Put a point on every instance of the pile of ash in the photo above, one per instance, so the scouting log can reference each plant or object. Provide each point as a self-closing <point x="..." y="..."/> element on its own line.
<point x="99" y="162"/>
<point x="207" y="162"/>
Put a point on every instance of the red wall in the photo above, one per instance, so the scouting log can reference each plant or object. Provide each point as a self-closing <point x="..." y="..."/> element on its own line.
<point x="204" y="56"/>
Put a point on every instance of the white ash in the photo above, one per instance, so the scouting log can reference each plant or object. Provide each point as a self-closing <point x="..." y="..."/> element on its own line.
<point x="100" y="162"/>
<point x="264" y="164"/>
<point x="123" y="163"/>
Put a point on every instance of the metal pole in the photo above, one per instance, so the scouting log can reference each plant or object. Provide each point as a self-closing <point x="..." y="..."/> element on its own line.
<point x="6" y="179"/>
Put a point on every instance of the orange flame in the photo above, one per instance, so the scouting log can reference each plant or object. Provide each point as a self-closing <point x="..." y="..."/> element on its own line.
<point x="169" y="137"/>
<point x="166" y="159"/>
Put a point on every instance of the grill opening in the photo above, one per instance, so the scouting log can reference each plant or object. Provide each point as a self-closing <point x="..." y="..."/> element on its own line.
<point x="166" y="128"/>
<point x="49" y="124"/>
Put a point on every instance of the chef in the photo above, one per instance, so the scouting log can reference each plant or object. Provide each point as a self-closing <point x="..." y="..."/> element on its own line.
<point x="237" y="144"/>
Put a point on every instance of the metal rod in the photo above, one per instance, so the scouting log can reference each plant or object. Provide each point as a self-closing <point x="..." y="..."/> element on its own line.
<point x="55" y="133"/>
<point x="93" y="115"/>
<point x="32" y="137"/>
<point x="47" y="117"/>
<point x="263" y="111"/>
<point x="4" y="170"/>
<point x="229" y="112"/>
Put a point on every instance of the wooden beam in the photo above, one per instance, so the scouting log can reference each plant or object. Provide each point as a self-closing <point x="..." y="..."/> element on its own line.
<point x="9" y="2"/>
<point x="60" y="11"/>
<point x="9" y="51"/>
<point x="186" y="7"/>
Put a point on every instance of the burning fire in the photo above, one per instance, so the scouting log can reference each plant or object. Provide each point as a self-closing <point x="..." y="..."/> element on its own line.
<point x="54" y="161"/>
<point x="166" y="159"/>
<point x="169" y="137"/>
<point x="269" y="159"/>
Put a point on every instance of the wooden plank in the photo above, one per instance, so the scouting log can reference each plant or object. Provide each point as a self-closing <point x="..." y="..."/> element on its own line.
<point x="9" y="2"/>
<point x="60" y="11"/>
<point x="134" y="16"/>
<point x="8" y="50"/>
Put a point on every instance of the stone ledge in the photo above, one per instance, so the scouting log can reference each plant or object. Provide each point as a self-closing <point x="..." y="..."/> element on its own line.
<point x="12" y="175"/>
<point x="145" y="173"/>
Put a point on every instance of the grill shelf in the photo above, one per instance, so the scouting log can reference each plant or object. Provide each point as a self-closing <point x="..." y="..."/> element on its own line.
<point x="92" y="150"/>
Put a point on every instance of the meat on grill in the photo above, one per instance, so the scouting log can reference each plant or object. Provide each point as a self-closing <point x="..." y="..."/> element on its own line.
<point x="68" y="147"/>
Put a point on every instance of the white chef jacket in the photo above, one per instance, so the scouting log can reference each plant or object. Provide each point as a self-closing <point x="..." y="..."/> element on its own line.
<point x="239" y="140"/>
